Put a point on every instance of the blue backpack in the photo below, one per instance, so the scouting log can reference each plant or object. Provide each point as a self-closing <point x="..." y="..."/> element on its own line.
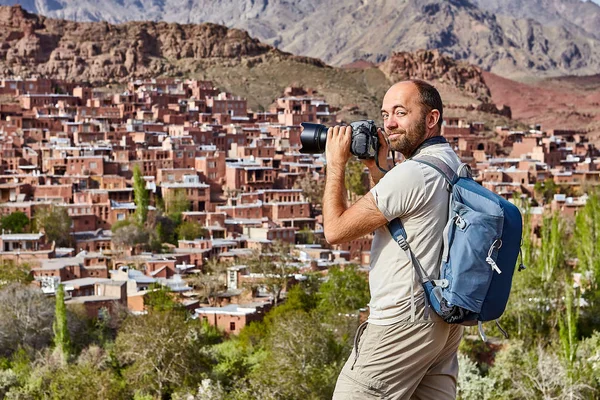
<point x="482" y="242"/>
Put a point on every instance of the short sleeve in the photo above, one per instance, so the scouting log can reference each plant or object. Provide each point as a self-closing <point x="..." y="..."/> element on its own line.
<point x="400" y="191"/>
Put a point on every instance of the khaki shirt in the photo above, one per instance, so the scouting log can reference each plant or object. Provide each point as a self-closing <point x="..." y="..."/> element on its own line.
<point x="417" y="194"/>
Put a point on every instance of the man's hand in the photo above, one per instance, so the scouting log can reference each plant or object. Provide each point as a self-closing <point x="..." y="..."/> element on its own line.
<point x="384" y="147"/>
<point x="337" y="148"/>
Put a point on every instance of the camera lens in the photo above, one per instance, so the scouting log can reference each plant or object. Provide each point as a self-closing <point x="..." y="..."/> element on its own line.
<point x="313" y="138"/>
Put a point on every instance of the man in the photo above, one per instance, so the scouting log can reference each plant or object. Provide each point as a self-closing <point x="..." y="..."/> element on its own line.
<point x="403" y="351"/>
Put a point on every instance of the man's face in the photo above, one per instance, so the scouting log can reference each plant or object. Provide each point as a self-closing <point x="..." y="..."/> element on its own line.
<point x="404" y="118"/>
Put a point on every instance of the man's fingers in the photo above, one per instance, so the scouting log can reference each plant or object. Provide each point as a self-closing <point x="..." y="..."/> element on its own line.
<point x="382" y="139"/>
<point x="336" y="130"/>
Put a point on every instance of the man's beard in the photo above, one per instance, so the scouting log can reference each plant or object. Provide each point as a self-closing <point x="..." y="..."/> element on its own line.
<point x="409" y="139"/>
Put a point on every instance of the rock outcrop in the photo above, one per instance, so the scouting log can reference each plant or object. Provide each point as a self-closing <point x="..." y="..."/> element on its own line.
<point x="99" y="51"/>
<point x="430" y="65"/>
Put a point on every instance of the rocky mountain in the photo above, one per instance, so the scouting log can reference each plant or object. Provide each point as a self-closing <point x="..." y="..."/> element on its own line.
<point x="105" y="53"/>
<point x="99" y="51"/>
<point x="582" y="17"/>
<point x="340" y="32"/>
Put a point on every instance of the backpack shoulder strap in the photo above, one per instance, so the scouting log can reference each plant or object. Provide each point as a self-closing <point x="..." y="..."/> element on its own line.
<point x="440" y="166"/>
<point x="399" y="234"/>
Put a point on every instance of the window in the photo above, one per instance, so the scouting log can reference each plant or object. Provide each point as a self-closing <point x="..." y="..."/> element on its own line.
<point x="232" y="326"/>
<point x="93" y="165"/>
<point x="120" y="216"/>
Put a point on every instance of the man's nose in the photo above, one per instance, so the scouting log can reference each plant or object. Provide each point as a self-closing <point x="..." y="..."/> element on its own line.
<point x="390" y="123"/>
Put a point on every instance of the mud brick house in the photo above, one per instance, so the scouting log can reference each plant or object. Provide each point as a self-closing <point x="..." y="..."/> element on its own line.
<point x="14" y="191"/>
<point x="210" y="220"/>
<point x="106" y="297"/>
<point x="226" y="103"/>
<point x="355" y="248"/>
<point x="30" y="248"/>
<point x="197" y="193"/>
<point x="198" y="251"/>
<point x="154" y="265"/>
<point x="17" y="86"/>
<point x="567" y="206"/>
<point x="233" y="317"/>
<point x="248" y="176"/>
<point x="264" y="232"/>
<point x="98" y="240"/>
<point x="290" y="214"/>
<point x="83" y="265"/>
<point x="211" y="166"/>
<point x="29" y="101"/>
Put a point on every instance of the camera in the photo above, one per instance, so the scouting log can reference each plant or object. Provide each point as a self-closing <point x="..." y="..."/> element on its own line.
<point x="364" y="144"/>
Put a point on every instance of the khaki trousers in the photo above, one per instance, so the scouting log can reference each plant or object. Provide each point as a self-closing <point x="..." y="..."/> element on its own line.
<point x="406" y="360"/>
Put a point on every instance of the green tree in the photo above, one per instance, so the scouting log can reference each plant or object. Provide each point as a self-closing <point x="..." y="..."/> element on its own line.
<point x="120" y="224"/>
<point x="553" y="250"/>
<point x="56" y="224"/>
<point x="15" y="222"/>
<point x="471" y="384"/>
<point x="141" y="197"/>
<point x="344" y="291"/>
<point x="307" y="235"/>
<point x="355" y="178"/>
<point x="175" y="204"/>
<point x="189" y="230"/>
<point x="161" y="352"/>
<point x="12" y="272"/>
<point x="159" y="298"/>
<point x="91" y="376"/>
<point x="312" y="190"/>
<point x="546" y="189"/>
<point x="62" y="341"/>
<point x="567" y="324"/>
<point x="26" y="316"/>
<point x="275" y="267"/>
<point x="130" y="235"/>
<point x="587" y="243"/>
<point x="211" y="280"/>
<point x="302" y="362"/>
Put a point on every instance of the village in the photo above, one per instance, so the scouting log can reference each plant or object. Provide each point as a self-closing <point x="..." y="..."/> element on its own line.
<point x="233" y="176"/>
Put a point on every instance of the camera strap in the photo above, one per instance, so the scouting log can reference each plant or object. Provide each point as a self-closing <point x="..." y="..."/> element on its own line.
<point x="429" y="142"/>
<point x="385" y="171"/>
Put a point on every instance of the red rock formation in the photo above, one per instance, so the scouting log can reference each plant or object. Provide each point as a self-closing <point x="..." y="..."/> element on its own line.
<point x="430" y="65"/>
<point x="98" y="51"/>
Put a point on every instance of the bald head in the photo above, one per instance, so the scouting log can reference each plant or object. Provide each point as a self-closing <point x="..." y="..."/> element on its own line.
<point x="412" y="113"/>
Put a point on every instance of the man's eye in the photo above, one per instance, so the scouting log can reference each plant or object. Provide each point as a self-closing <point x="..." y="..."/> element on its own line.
<point x="401" y="113"/>
<point x="384" y="116"/>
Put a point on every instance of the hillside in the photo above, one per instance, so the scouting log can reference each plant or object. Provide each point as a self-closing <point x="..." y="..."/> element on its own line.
<point x="105" y="53"/>
<point x="342" y="32"/>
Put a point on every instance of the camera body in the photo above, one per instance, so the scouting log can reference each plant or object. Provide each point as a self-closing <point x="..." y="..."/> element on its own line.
<point x="364" y="144"/>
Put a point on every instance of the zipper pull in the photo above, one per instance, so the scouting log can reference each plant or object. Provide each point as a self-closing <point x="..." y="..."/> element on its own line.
<point x="521" y="265"/>
<point x="489" y="259"/>
<point x="493" y="264"/>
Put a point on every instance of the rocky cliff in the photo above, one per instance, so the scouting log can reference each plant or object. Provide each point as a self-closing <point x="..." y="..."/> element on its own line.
<point x="430" y="65"/>
<point x="99" y="51"/>
<point x="559" y="37"/>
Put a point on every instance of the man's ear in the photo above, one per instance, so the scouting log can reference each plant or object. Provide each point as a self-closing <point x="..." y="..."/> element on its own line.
<point x="433" y="118"/>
